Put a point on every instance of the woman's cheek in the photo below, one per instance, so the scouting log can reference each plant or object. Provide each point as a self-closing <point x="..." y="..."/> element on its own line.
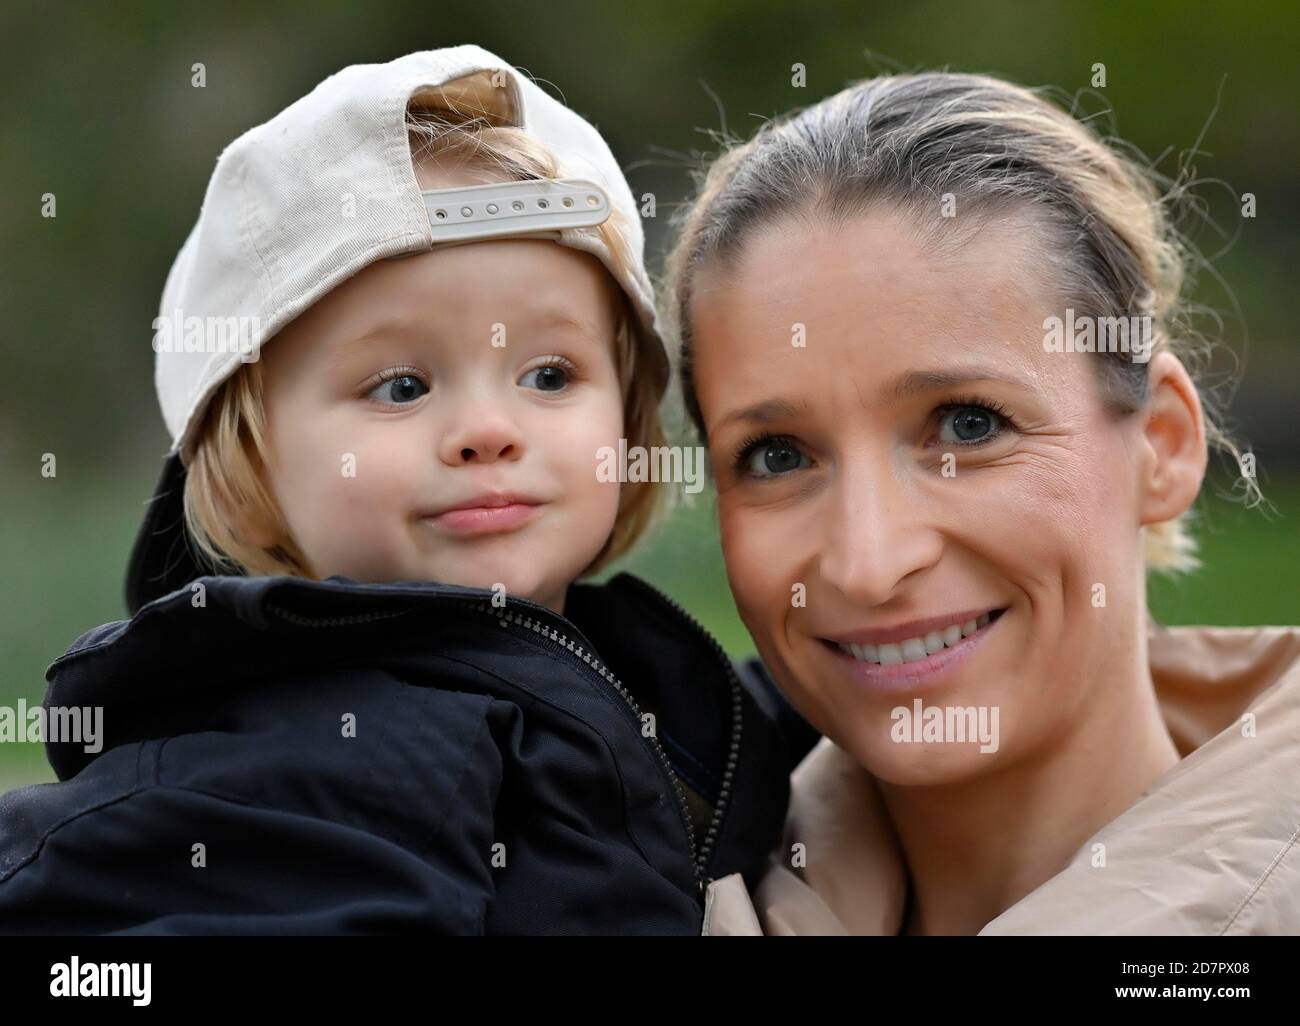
<point x="763" y="568"/>
<point x="751" y="548"/>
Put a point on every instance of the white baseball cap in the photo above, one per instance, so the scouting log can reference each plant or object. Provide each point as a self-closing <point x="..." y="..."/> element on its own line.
<point x="298" y="205"/>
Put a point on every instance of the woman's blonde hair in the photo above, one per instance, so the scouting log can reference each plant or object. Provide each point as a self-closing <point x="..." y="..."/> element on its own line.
<point x="994" y="147"/>
<point x="226" y="479"/>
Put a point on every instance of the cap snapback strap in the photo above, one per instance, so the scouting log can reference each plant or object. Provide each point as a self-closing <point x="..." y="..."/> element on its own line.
<point x="514" y="208"/>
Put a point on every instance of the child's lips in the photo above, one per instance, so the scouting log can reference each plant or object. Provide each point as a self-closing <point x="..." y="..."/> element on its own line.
<point x="487" y="514"/>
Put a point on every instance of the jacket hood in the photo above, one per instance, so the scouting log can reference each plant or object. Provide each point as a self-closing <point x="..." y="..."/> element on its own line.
<point x="1213" y="847"/>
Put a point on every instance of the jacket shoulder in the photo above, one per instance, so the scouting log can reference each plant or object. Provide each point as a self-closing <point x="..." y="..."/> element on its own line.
<point x="169" y="860"/>
<point x="375" y="816"/>
<point x="358" y="746"/>
<point x="31" y="814"/>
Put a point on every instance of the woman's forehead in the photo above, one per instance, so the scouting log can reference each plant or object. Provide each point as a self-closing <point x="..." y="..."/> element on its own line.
<point x="872" y="281"/>
<point x="883" y="266"/>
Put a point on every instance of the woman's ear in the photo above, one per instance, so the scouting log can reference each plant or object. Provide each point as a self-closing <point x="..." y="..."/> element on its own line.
<point x="1173" y="435"/>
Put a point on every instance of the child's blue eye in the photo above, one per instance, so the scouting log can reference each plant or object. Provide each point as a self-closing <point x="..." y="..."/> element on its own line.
<point x="399" y="390"/>
<point x="546" y="379"/>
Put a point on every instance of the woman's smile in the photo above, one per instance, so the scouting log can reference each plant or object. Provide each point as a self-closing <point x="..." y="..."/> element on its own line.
<point x="922" y="659"/>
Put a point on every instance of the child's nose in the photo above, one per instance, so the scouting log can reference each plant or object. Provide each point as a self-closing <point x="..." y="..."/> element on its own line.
<point x="482" y="441"/>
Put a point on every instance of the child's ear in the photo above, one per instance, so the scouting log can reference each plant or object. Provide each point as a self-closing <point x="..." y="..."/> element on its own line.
<point x="1174" y="454"/>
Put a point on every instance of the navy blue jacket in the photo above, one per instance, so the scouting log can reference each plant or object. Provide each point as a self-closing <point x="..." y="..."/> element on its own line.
<point x="292" y="756"/>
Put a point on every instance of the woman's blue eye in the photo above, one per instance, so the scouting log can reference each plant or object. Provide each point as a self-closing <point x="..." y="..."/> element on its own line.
<point x="546" y="379"/>
<point x="772" y="458"/>
<point x="970" y="425"/>
<point x="398" y="391"/>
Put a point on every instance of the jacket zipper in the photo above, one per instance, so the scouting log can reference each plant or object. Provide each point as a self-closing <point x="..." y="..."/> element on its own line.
<point x="699" y="858"/>
<point x="539" y="627"/>
<point x="722" y="805"/>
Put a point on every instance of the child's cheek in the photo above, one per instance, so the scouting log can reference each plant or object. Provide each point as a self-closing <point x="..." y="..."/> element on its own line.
<point x="596" y="428"/>
<point x="375" y="492"/>
<point x="347" y="501"/>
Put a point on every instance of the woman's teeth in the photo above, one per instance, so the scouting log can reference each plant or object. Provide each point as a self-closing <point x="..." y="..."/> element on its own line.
<point x="912" y="649"/>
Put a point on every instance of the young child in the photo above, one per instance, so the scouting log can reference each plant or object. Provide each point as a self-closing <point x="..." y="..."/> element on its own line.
<point x="394" y="709"/>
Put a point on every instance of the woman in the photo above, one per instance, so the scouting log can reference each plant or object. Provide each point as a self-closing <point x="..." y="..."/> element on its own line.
<point x="930" y="333"/>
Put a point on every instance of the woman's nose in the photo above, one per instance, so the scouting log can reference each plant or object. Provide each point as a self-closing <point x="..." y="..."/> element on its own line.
<point x="877" y="535"/>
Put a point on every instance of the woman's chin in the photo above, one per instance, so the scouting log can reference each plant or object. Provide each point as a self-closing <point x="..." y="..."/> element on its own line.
<point x="921" y="764"/>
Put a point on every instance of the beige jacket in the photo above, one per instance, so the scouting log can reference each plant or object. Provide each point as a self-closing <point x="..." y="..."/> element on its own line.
<point x="1213" y="847"/>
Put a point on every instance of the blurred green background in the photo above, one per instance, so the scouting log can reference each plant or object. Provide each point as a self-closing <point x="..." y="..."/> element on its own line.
<point x="99" y="110"/>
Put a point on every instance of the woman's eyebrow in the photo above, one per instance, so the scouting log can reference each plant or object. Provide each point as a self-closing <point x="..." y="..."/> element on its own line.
<point x="916" y="382"/>
<point x="765" y="412"/>
<point x="902" y="387"/>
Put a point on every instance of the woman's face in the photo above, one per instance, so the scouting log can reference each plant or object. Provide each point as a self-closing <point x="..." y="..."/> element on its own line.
<point x="897" y="456"/>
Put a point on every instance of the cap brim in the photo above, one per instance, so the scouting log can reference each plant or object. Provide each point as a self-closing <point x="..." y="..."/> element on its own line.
<point x="164" y="556"/>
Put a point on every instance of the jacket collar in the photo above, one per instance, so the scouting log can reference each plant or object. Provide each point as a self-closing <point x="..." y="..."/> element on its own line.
<point x="211" y="623"/>
<point x="1212" y="847"/>
<point x="193" y="650"/>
